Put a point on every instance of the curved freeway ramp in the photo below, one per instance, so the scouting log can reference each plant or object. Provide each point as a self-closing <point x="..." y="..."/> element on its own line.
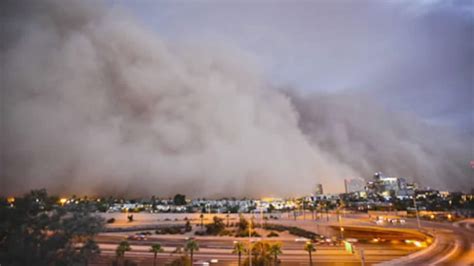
<point x="453" y="245"/>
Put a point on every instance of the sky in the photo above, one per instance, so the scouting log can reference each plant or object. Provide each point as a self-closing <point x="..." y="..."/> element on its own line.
<point x="234" y="98"/>
<point x="412" y="56"/>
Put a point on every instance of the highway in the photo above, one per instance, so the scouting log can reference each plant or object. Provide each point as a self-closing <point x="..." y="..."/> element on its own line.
<point x="454" y="242"/>
<point x="323" y="256"/>
<point x="452" y="246"/>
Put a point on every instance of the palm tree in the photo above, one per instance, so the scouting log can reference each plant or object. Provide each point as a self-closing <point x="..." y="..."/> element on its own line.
<point x="155" y="248"/>
<point x="309" y="247"/>
<point x="202" y="219"/>
<point x="239" y="248"/>
<point x="89" y="250"/>
<point x="275" y="251"/>
<point x="260" y="250"/>
<point x="123" y="247"/>
<point x="191" y="246"/>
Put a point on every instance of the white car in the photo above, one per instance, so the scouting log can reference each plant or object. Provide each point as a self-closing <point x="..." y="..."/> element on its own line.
<point x="214" y="261"/>
<point x="204" y="263"/>
<point x="302" y="239"/>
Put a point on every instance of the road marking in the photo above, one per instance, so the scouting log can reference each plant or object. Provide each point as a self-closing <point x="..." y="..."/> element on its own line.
<point x="457" y="244"/>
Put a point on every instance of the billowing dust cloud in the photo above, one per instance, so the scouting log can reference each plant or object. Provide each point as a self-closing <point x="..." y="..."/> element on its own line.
<point x="361" y="135"/>
<point x="95" y="103"/>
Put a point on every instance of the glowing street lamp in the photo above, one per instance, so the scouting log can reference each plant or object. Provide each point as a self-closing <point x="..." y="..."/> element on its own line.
<point x="10" y="200"/>
<point x="250" y="241"/>
<point x="416" y="211"/>
<point x="62" y="201"/>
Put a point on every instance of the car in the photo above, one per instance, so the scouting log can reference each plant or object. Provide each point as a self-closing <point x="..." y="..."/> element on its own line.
<point x="379" y="222"/>
<point x="204" y="263"/>
<point x="301" y="239"/>
<point x="321" y="241"/>
<point x="137" y="237"/>
<point x="214" y="261"/>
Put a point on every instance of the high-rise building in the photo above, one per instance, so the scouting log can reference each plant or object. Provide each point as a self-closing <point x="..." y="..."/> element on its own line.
<point x="390" y="186"/>
<point x="354" y="185"/>
<point x="319" y="190"/>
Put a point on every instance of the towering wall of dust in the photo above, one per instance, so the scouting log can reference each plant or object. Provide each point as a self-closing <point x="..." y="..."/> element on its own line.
<point x="94" y="103"/>
<point x="359" y="133"/>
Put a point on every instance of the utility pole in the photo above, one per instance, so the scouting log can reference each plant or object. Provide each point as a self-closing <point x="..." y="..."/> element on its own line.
<point x="416" y="211"/>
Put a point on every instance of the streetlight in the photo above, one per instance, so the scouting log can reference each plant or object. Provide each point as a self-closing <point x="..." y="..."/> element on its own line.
<point x="362" y="257"/>
<point x="342" y="228"/>
<point x="62" y="201"/>
<point x="250" y="244"/>
<point x="11" y="200"/>
<point x="416" y="211"/>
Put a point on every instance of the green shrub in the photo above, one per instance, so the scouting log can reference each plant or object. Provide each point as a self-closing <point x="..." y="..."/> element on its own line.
<point x="273" y="234"/>
<point x="292" y="230"/>
<point x="188" y="227"/>
<point x="170" y="230"/>
<point x="216" y="227"/>
<point x="241" y="233"/>
<point x="200" y="233"/>
<point x="225" y="233"/>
